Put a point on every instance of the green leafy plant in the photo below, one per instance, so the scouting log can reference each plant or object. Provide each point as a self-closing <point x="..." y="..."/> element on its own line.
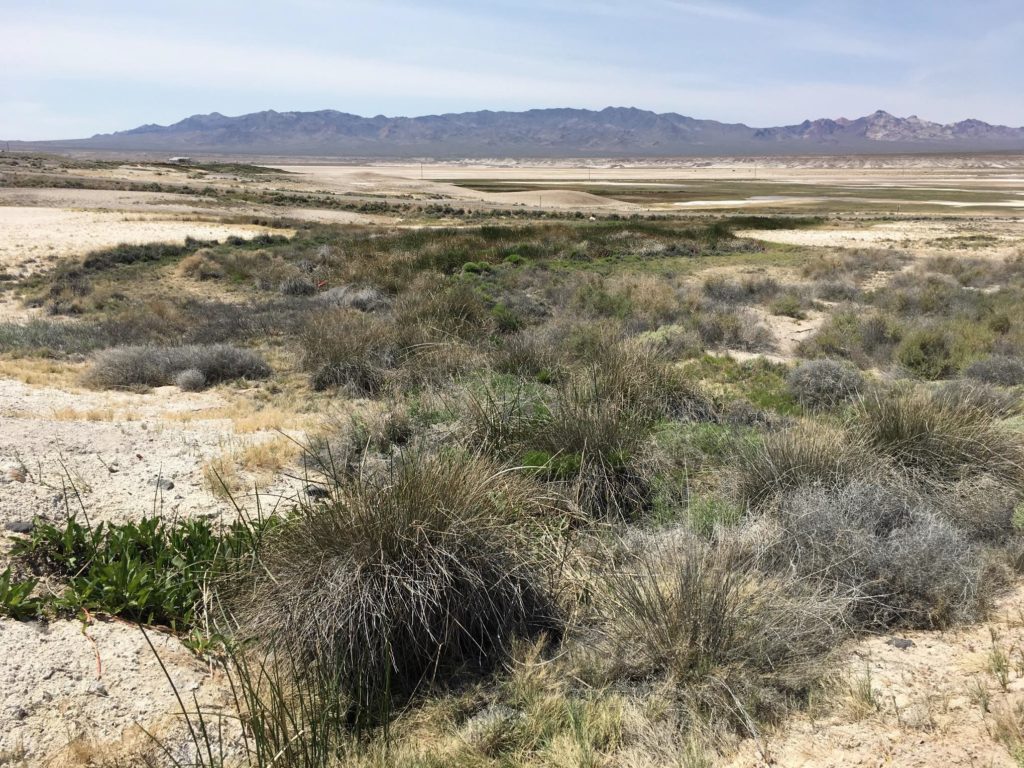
<point x="151" y="571"/>
<point x="16" y="599"/>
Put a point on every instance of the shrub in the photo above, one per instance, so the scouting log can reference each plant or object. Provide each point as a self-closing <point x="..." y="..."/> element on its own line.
<point x="938" y="440"/>
<point x="926" y="352"/>
<point x="904" y="564"/>
<point x="297" y="285"/>
<point x="836" y="290"/>
<point x="824" y="383"/>
<point x="788" y="305"/>
<point x="737" y="645"/>
<point x="401" y="578"/>
<point x="150" y="366"/>
<point x="997" y="369"/>
<point x="190" y="380"/>
<point x="806" y="454"/>
<point x="983" y="507"/>
<point x="435" y="309"/>
<point x="201" y="265"/>
<point x="527" y="354"/>
<point x="506" y="320"/>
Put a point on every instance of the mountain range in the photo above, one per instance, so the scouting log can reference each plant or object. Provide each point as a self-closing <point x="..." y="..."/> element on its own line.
<point x="614" y="131"/>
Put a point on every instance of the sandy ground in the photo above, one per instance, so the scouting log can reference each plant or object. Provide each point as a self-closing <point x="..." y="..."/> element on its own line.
<point x="68" y="692"/>
<point x="68" y="451"/>
<point x="72" y="692"/>
<point x="936" y="703"/>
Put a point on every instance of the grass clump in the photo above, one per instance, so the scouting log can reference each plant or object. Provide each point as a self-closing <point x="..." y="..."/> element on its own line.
<point x="348" y="348"/>
<point x="738" y="645"/>
<point x="151" y="366"/>
<point x="824" y="383"/>
<point x="937" y="439"/>
<point x="190" y="380"/>
<point x="402" y="579"/>
<point x="806" y="454"/>
<point x="927" y="353"/>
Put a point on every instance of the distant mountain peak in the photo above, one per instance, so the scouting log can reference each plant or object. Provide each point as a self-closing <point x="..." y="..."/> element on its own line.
<point x="611" y="131"/>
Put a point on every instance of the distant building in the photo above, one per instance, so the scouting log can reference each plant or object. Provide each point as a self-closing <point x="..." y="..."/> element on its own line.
<point x="179" y="159"/>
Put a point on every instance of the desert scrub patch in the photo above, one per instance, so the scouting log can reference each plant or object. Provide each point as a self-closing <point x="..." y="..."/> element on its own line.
<point x="151" y="366"/>
<point x="348" y="348"/>
<point x="903" y="564"/>
<point x="806" y="454"/>
<point x="788" y="305"/>
<point x="938" y="439"/>
<point x="997" y="369"/>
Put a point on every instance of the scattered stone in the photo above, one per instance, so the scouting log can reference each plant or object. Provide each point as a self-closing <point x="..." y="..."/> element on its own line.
<point x="164" y="484"/>
<point x="900" y="642"/>
<point x="13" y="474"/>
<point x="316" y="492"/>
<point x="19" y="526"/>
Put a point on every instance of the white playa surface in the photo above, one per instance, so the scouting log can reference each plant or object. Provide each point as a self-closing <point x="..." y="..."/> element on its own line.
<point x="31" y="237"/>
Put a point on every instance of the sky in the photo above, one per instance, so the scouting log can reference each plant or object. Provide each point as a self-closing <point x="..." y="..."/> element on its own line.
<point x="74" y="69"/>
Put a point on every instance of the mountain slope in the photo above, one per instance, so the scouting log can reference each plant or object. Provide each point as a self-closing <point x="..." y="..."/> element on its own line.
<point x="543" y="132"/>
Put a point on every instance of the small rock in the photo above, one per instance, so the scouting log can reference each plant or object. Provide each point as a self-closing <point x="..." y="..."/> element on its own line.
<point x="13" y="474"/>
<point x="164" y="484"/>
<point x="900" y="642"/>
<point x="316" y="492"/>
<point x="98" y="689"/>
<point x="19" y="526"/>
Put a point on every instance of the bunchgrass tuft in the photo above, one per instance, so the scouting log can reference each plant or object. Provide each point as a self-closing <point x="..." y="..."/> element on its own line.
<point x="402" y="580"/>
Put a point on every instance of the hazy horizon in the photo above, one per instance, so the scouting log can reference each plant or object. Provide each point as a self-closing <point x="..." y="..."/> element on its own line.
<point x="71" y="70"/>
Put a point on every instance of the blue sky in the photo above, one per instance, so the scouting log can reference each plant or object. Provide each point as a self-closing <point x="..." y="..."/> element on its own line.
<point x="70" y="69"/>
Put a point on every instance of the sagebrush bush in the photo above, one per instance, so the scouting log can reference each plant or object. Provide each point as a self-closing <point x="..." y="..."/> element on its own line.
<point x="983" y="507"/>
<point x="347" y="297"/>
<point x="997" y="369"/>
<point x="402" y="578"/>
<point x="824" y="383"/>
<point x="190" y="380"/>
<point x="894" y="553"/>
<point x="297" y="285"/>
<point x="151" y="366"/>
